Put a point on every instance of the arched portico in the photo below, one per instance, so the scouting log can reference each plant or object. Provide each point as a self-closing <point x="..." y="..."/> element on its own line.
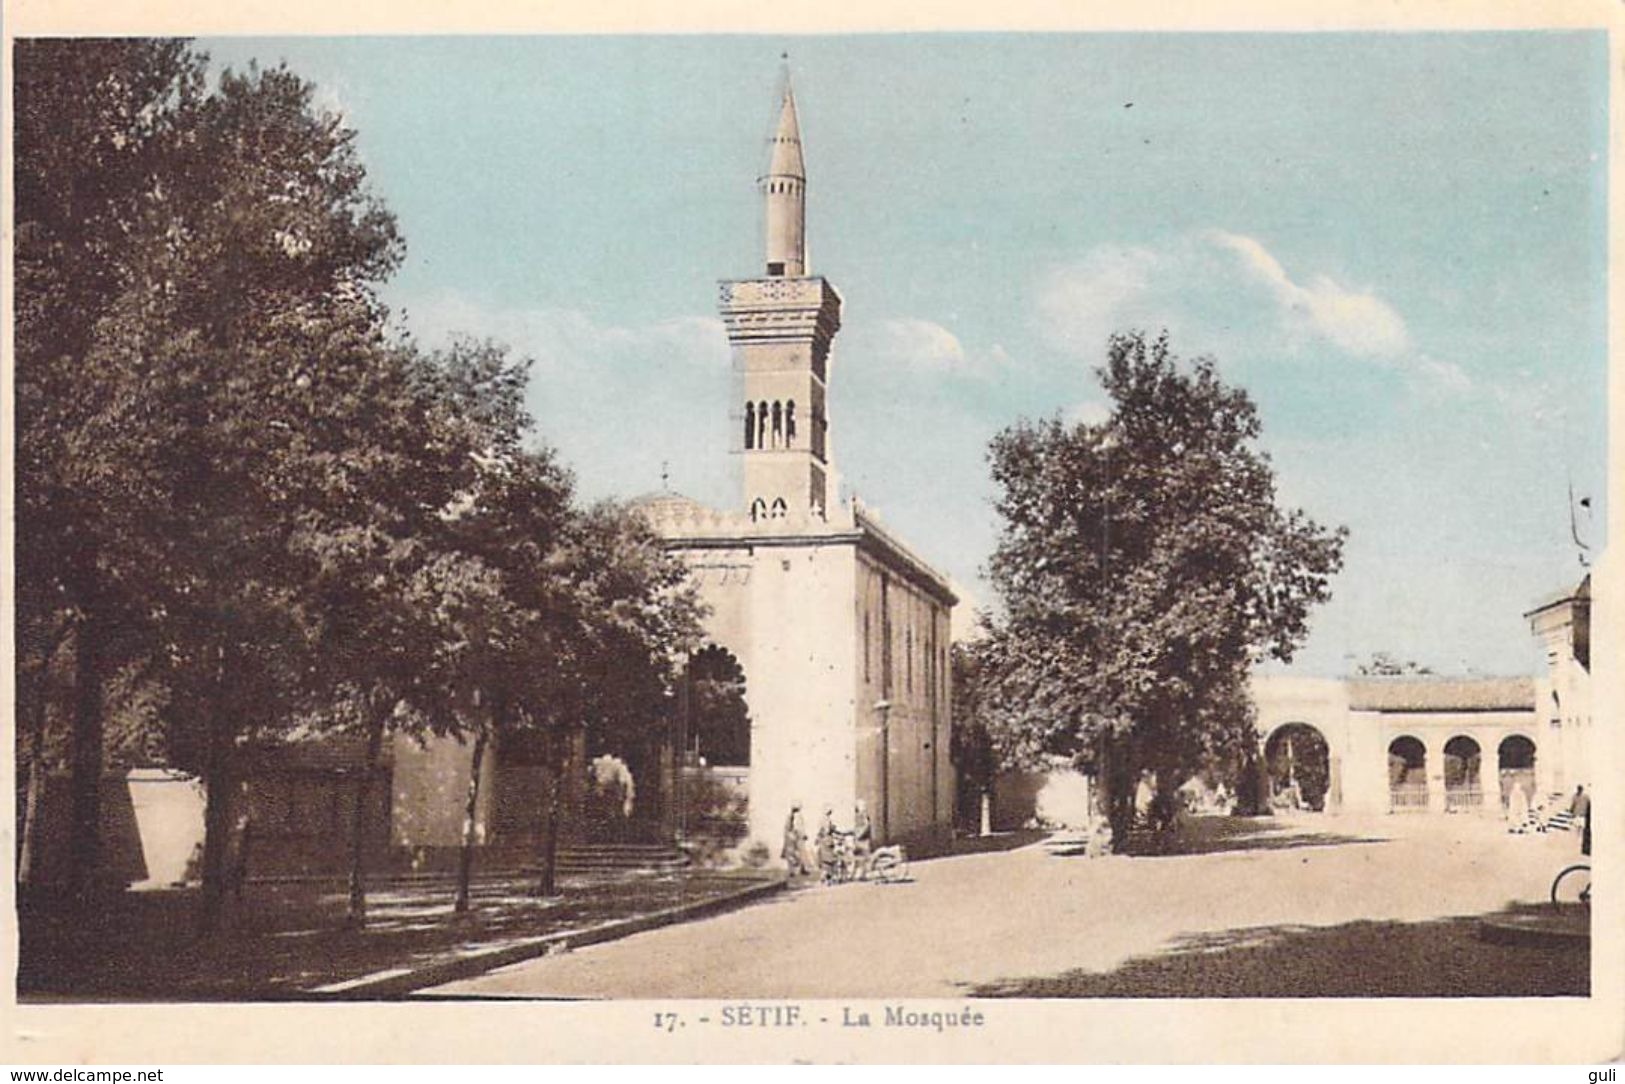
<point x="1463" y="763"/>
<point x="1298" y="760"/>
<point x="1407" y="775"/>
<point x="1515" y="766"/>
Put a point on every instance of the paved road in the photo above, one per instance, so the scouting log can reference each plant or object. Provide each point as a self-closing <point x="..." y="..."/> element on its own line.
<point x="979" y="922"/>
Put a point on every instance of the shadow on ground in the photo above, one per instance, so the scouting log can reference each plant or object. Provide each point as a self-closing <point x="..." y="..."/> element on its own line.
<point x="285" y="939"/>
<point x="1217" y="834"/>
<point x="998" y="841"/>
<point x="1443" y="957"/>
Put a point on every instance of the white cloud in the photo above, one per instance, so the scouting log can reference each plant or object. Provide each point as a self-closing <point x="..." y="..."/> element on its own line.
<point x="1446" y="377"/>
<point x="920" y="344"/>
<point x="1088" y="412"/>
<point x="1360" y="323"/>
<point x="922" y="347"/>
<point x="1226" y="293"/>
<point x="1112" y="288"/>
<point x="617" y="402"/>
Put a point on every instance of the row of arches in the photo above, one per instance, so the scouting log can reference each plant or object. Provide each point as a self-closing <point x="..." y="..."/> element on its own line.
<point x="782" y="186"/>
<point x="770" y="425"/>
<point x="1463" y="764"/>
<point x="1301" y="773"/>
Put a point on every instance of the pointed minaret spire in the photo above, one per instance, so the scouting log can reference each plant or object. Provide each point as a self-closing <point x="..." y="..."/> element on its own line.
<point x="784" y="190"/>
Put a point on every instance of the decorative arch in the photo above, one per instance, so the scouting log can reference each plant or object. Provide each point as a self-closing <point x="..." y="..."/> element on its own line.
<point x="761" y="424"/>
<point x="778" y="424"/>
<point x="790" y="424"/>
<point x="750" y="426"/>
<point x="1463" y="757"/>
<point x="758" y="510"/>
<point x="718" y="715"/>
<point x="1407" y="774"/>
<point x="779" y="509"/>
<point x="1298" y="760"/>
<point x="1515" y="758"/>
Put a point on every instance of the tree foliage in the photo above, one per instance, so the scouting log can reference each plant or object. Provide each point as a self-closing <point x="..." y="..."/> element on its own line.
<point x="1144" y="566"/>
<point x="249" y="510"/>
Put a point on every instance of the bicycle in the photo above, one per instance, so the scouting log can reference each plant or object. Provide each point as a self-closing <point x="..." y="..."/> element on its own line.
<point x="1572" y="886"/>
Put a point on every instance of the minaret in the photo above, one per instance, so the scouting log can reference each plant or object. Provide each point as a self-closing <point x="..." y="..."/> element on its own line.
<point x="784" y="190"/>
<point x="780" y="327"/>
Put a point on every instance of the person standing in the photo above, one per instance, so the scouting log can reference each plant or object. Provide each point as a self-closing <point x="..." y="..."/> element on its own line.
<point x="863" y="839"/>
<point x="1580" y="809"/>
<point x="795" y="838"/>
<point x="827" y="844"/>
<point x="1518" y="809"/>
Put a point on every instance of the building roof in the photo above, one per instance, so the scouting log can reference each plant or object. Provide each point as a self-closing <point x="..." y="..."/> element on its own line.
<point x="892" y="550"/>
<point x="665" y="503"/>
<point x="1442" y="694"/>
<point x="787" y="160"/>
<point x="1579" y="594"/>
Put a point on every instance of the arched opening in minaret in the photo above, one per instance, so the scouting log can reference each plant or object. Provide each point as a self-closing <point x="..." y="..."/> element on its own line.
<point x="761" y="424"/>
<point x="750" y="426"/>
<point x="780" y="509"/>
<point x="790" y="424"/>
<point x="758" y="510"/>
<point x="778" y="424"/>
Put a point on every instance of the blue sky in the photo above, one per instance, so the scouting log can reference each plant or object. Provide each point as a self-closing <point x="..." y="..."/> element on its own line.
<point x="1396" y="242"/>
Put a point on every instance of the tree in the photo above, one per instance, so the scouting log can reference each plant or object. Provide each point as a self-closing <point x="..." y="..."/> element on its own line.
<point x="971" y="744"/>
<point x="95" y="121"/>
<point x="210" y="385"/>
<point x="631" y="619"/>
<point x="1144" y="565"/>
<point x="1383" y="664"/>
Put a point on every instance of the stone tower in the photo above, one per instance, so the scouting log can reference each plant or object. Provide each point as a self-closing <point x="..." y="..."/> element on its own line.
<point x="780" y="327"/>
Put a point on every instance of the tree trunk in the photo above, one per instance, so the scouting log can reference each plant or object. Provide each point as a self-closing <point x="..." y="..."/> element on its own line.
<point x="220" y="786"/>
<point x="465" y="858"/>
<point x="356" y="915"/>
<point x="547" y="879"/>
<point x="28" y="838"/>
<point x="1120" y="788"/>
<point x="85" y="828"/>
<point x="220" y="783"/>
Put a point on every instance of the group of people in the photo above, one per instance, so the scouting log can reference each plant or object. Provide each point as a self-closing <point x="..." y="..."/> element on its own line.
<point x="834" y="853"/>
<point x="1523" y="816"/>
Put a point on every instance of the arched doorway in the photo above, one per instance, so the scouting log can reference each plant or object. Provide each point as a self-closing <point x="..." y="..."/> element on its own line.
<point x="715" y="763"/>
<point x="1298" y="761"/>
<point x="1407" y="775"/>
<point x="1462" y="758"/>
<point x="1515" y="760"/>
<point x="719" y="721"/>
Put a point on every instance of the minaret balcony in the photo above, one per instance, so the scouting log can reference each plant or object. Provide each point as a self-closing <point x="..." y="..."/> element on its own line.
<point x="779" y="308"/>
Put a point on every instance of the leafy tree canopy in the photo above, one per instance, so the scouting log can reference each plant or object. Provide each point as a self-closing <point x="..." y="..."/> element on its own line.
<point x="1144" y="565"/>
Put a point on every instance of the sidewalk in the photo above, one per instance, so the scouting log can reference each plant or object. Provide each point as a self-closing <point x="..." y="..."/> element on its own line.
<point x="286" y="941"/>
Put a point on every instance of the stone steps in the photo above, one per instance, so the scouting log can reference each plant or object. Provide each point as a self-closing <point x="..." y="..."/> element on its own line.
<point x="609" y="857"/>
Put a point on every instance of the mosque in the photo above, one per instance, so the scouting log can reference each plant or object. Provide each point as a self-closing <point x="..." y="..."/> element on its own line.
<point x="835" y="632"/>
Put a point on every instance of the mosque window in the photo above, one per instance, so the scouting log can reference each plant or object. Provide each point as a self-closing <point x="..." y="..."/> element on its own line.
<point x="790" y="424"/>
<point x="779" y="509"/>
<point x="867" y="648"/>
<point x="775" y="268"/>
<point x="758" y="509"/>
<point x="761" y="424"/>
<point x="908" y="660"/>
<point x="778" y="423"/>
<point x="750" y="426"/>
